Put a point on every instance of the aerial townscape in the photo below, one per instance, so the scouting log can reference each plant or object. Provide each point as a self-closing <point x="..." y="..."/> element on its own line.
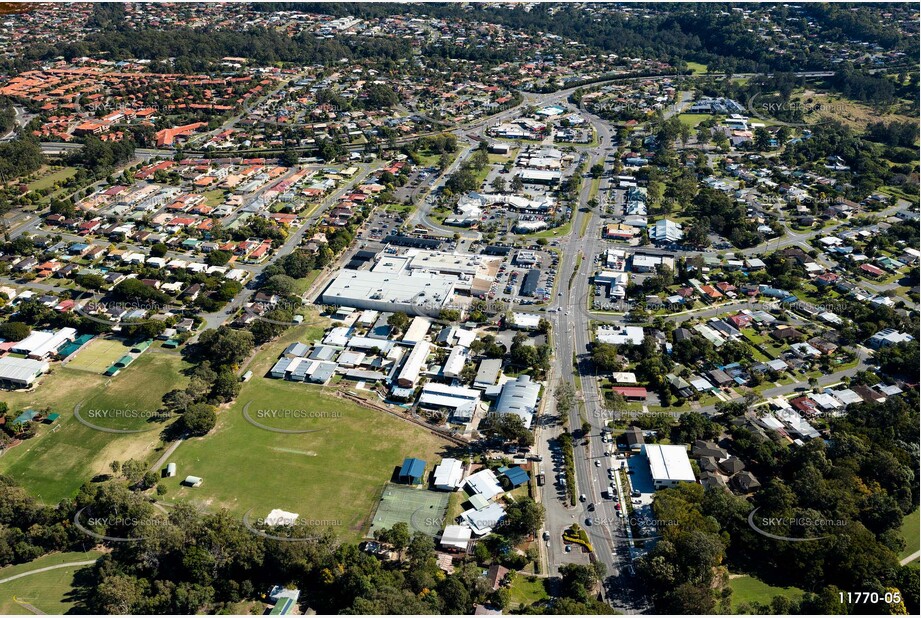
<point x="459" y="308"/>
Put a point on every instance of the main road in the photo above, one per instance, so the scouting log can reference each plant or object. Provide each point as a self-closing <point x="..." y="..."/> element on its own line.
<point x="571" y="340"/>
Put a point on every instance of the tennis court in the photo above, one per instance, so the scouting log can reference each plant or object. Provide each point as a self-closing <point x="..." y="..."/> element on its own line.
<point x="98" y="354"/>
<point x="421" y="509"/>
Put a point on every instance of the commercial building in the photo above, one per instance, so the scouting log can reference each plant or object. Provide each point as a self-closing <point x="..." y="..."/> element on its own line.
<point x="519" y="397"/>
<point x="413" y="293"/>
<point x="484" y="483"/>
<point x="626" y="335"/>
<point x="418" y="329"/>
<point x="668" y="464"/>
<point x="525" y="321"/>
<point x="665" y="231"/>
<point x="456" y="537"/>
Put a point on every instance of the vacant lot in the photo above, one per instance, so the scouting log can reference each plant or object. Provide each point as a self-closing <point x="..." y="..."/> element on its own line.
<point x="51" y="177"/>
<point x="62" y="457"/>
<point x="527" y="590"/>
<point x="692" y="120"/>
<point x="51" y="592"/>
<point x="334" y="474"/>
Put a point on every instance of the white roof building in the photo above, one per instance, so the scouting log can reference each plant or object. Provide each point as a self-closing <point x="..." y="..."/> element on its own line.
<point x="449" y="474"/>
<point x="462" y="401"/>
<point x="668" y="464"/>
<point x="484" y="483"/>
<point x="21" y="372"/>
<point x="414" y="293"/>
<point x="455" y="362"/>
<point x="525" y="321"/>
<point x="456" y="537"/>
<point x="417" y="330"/>
<point x="42" y="343"/>
<point x="626" y="335"/>
<point x="483" y="521"/>
<point x="409" y="374"/>
<point x="665" y="230"/>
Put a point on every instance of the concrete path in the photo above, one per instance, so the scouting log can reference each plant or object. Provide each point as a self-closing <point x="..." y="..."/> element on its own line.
<point x="47" y="568"/>
<point x="910" y="558"/>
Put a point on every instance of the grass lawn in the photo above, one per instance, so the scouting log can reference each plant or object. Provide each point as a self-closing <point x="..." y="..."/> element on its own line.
<point x="697" y="68"/>
<point x="398" y="208"/>
<point x="50" y="178"/>
<point x="527" y="590"/>
<point x="692" y="120"/>
<point x="304" y="283"/>
<point x="57" y="461"/>
<point x="554" y="232"/>
<point x="584" y="227"/>
<point x="747" y="589"/>
<point x="51" y="592"/>
<point x="214" y="198"/>
<point x="334" y="475"/>
<point x="909" y="532"/>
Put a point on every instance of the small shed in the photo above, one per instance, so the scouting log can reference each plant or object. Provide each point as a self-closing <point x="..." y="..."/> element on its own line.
<point x="412" y="471"/>
<point x="192" y="481"/>
<point x="246" y="376"/>
<point x="52" y="418"/>
<point x="143" y="345"/>
<point x="170" y="470"/>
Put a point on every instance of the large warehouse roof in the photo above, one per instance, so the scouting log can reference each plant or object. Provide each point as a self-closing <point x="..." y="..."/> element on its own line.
<point x="389" y="291"/>
<point x="21" y="370"/>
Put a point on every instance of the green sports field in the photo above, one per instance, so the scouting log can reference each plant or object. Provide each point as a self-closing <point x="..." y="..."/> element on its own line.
<point x="51" y="592"/>
<point x="334" y="475"/>
<point x="57" y="461"/>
